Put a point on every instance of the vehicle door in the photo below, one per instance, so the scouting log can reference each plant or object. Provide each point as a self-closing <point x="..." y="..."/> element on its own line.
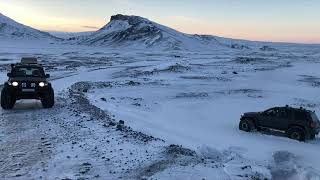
<point x="267" y="117"/>
<point x="300" y="118"/>
<point x="281" y="119"/>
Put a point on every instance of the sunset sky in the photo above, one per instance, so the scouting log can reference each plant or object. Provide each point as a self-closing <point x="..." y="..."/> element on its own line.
<point x="272" y="20"/>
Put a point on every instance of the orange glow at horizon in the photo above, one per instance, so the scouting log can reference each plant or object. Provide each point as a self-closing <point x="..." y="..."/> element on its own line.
<point x="254" y="32"/>
<point x="45" y="23"/>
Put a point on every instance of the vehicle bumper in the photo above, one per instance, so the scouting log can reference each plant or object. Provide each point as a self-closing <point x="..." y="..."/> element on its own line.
<point x="29" y="93"/>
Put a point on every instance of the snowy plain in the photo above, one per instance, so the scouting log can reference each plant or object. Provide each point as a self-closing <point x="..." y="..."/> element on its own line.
<point x="193" y="99"/>
<point x="201" y="103"/>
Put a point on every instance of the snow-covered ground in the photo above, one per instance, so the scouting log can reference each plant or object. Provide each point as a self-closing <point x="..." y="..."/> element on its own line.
<point x="196" y="100"/>
<point x="193" y="99"/>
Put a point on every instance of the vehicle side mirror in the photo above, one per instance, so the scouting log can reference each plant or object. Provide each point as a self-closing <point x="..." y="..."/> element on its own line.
<point x="9" y="74"/>
<point x="47" y="75"/>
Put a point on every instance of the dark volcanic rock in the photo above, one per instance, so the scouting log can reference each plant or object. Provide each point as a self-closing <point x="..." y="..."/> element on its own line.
<point x="267" y="48"/>
<point x="132" y="20"/>
<point x="136" y="31"/>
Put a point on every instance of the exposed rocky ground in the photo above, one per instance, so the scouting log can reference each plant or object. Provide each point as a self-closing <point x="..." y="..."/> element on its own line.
<point x="77" y="140"/>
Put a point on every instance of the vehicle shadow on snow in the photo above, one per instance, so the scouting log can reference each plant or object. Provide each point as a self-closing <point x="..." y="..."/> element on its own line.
<point x="275" y="133"/>
<point x="27" y="105"/>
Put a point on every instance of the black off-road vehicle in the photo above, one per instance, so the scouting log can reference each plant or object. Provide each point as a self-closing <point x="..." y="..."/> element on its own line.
<point x="298" y="123"/>
<point x="27" y="80"/>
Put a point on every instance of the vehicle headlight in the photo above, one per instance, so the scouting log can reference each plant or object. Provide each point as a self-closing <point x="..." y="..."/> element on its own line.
<point x="15" y="83"/>
<point x="42" y="84"/>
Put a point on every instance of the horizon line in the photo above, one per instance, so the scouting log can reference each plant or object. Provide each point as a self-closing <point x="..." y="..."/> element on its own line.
<point x="201" y="34"/>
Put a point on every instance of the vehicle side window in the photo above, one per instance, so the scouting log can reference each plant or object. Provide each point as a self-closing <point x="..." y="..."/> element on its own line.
<point x="271" y="112"/>
<point x="282" y="113"/>
<point x="299" y="115"/>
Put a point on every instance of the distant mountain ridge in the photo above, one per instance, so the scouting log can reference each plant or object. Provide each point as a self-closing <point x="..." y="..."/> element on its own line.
<point x="129" y="31"/>
<point x="11" y="29"/>
<point x="67" y="35"/>
<point x="136" y="31"/>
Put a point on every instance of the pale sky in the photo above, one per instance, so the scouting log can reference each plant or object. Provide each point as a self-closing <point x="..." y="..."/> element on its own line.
<point x="266" y="20"/>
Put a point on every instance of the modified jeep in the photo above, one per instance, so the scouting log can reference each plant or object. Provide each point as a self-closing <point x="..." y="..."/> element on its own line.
<point x="27" y="80"/>
<point x="298" y="123"/>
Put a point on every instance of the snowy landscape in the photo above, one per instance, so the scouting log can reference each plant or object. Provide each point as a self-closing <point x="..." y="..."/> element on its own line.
<point x="139" y="100"/>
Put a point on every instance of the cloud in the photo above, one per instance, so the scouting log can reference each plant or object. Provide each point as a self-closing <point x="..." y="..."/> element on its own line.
<point x="90" y="27"/>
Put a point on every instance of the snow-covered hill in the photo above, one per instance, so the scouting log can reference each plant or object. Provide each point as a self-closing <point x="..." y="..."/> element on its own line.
<point x="10" y="29"/>
<point x="68" y="35"/>
<point x="132" y="32"/>
<point x="135" y="31"/>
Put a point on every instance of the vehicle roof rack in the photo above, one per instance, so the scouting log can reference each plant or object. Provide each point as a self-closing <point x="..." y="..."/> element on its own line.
<point x="29" y="60"/>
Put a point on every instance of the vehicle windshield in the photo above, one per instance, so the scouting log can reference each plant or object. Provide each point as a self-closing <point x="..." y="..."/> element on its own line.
<point x="314" y="117"/>
<point x="28" y="72"/>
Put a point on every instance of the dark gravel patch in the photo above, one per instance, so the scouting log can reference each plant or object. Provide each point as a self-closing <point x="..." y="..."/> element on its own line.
<point x="251" y="60"/>
<point x="80" y="102"/>
<point x="192" y="95"/>
<point x="252" y="93"/>
<point x="134" y="73"/>
<point x="306" y="103"/>
<point x="217" y="78"/>
<point x="173" y="155"/>
<point x="310" y="80"/>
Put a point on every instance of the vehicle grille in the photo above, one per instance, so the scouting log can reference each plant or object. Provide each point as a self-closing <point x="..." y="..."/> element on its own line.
<point x="28" y="84"/>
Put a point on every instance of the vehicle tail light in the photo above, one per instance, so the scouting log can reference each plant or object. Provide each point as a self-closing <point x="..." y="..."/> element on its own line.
<point x="312" y="124"/>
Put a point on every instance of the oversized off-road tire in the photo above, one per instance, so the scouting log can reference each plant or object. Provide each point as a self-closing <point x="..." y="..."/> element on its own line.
<point x="7" y="99"/>
<point x="246" y="125"/>
<point x="47" y="99"/>
<point x="296" y="133"/>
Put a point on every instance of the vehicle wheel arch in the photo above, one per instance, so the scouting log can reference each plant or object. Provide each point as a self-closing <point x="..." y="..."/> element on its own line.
<point x="293" y="128"/>
<point x="250" y="123"/>
<point x="296" y="126"/>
